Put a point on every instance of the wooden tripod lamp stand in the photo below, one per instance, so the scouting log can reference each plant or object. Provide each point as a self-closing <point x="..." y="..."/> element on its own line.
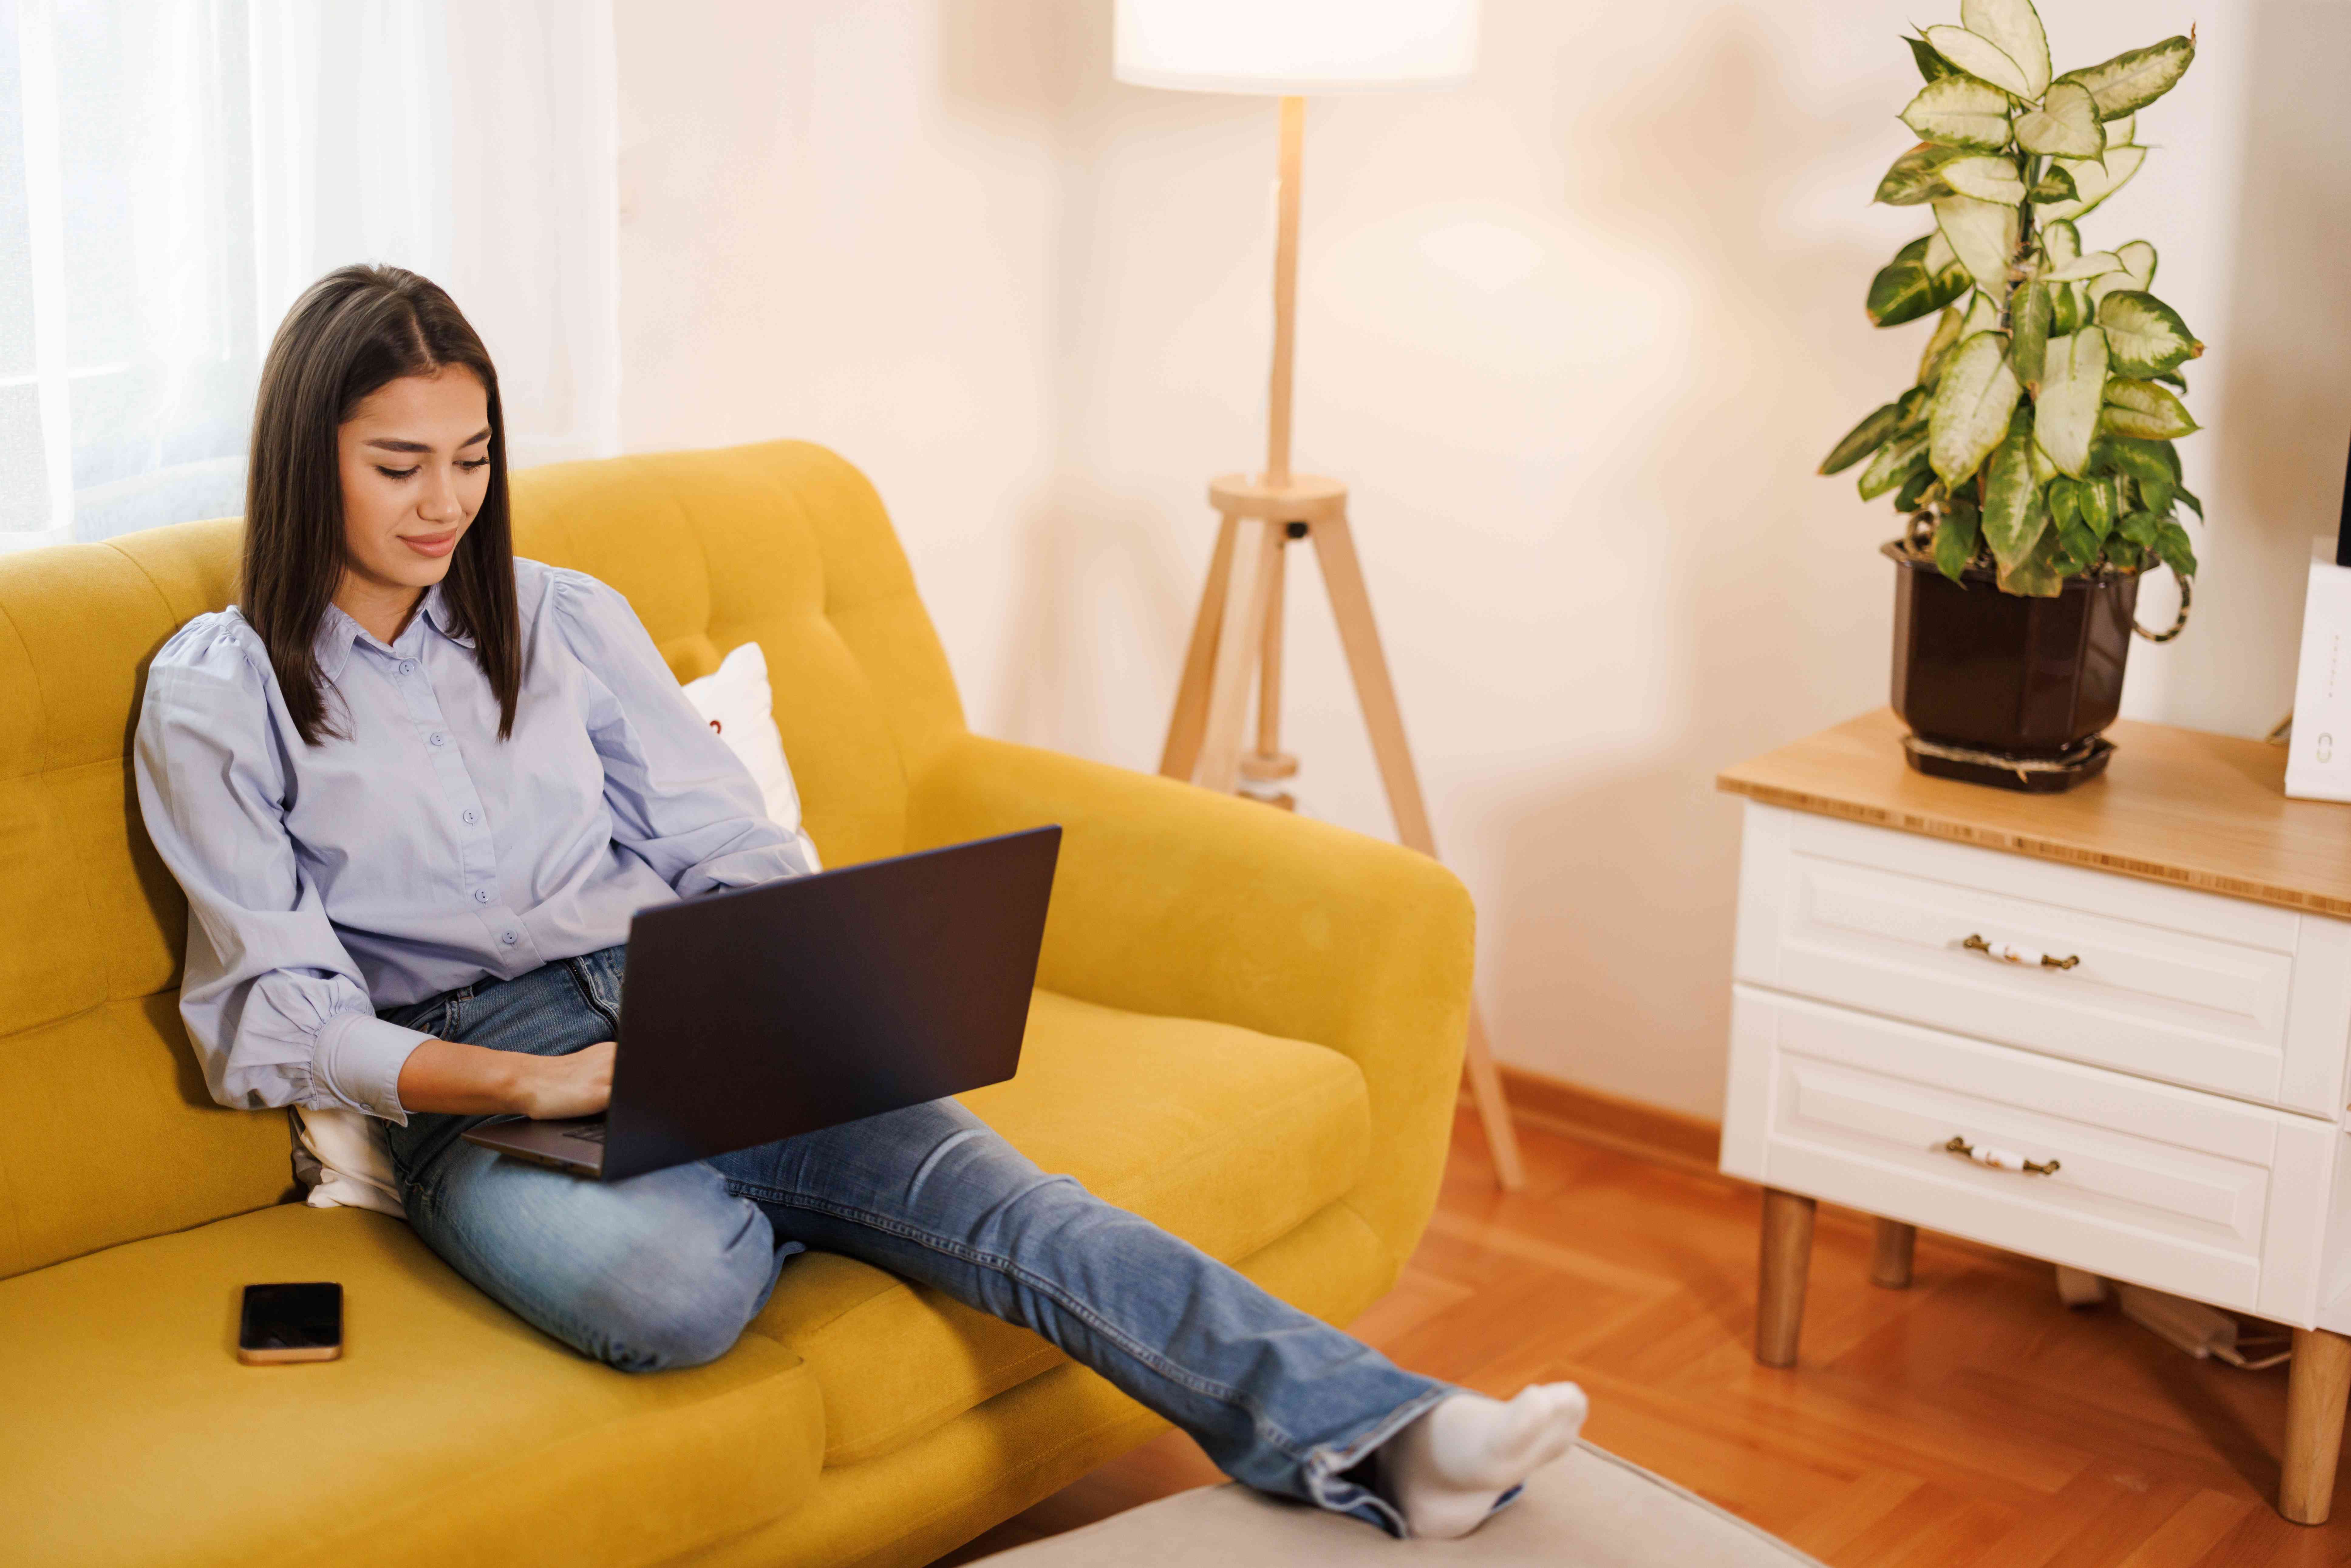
<point x="1289" y="48"/>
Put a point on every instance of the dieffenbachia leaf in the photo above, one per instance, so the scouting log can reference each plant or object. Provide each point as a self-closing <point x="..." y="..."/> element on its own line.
<point x="1982" y="234"/>
<point x="2065" y="126"/>
<point x="2029" y="317"/>
<point x="2064" y="496"/>
<point x="2147" y="337"/>
<point x="2120" y="132"/>
<point x="2129" y="82"/>
<point x="2038" y="575"/>
<point x="1983" y="316"/>
<point x="2097" y="181"/>
<point x="1891" y="465"/>
<point x="2096" y="264"/>
<point x="1972" y="406"/>
<point x="1956" y="536"/>
<point x="2014" y="28"/>
<point x="1980" y="58"/>
<point x="2061" y="242"/>
<point x="2172" y="548"/>
<point x="1863" y="439"/>
<point x="2012" y="514"/>
<point x="1916" y="176"/>
<point x="1913" y="492"/>
<point x="2056" y="186"/>
<point x="1958" y="112"/>
<point x="1987" y="178"/>
<point x="2073" y="388"/>
<point x="1930" y="360"/>
<point x="2145" y="410"/>
<point x="2043" y="469"/>
<point x="2096" y="499"/>
<point x="2137" y="272"/>
<point x="1932" y="67"/>
<point x="1923" y="276"/>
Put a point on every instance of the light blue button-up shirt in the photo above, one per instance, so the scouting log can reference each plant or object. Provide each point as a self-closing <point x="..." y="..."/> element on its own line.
<point x="420" y="853"/>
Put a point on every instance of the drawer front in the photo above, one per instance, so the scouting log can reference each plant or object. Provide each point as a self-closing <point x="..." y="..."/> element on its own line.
<point x="2192" y="988"/>
<point x="2184" y="1191"/>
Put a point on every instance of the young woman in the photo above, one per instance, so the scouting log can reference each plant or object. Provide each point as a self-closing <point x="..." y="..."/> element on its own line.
<point x="415" y="788"/>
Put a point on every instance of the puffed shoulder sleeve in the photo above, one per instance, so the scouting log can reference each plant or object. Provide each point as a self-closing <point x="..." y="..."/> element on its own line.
<point x="275" y="1007"/>
<point x="677" y="796"/>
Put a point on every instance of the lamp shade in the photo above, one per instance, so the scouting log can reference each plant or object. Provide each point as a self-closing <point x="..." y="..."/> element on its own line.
<point x="1295" y="46"/>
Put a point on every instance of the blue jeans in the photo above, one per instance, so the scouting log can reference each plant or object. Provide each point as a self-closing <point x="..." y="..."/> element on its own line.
<point x="665" y="1269"/>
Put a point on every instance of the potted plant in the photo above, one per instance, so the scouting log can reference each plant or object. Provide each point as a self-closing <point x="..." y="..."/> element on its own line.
<point x="2033" y="458"/>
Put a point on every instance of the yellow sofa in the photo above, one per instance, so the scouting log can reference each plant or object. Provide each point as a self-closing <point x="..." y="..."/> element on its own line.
<point x="1248" y="1029"/>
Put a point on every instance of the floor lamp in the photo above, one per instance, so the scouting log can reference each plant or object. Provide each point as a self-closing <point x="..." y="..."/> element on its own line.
<point x="1289" y="48"/>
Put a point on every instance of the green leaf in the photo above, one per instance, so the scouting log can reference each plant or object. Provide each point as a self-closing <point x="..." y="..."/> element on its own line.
<point x="1982" y="234"/>
<point x="2095" y="265"/>
<point x="2012" y="27"/>
<point x="2056" y="186"/>
<point x="1956" y="536"/>
<point x="2138" y="271"/>
<point x="2145" y="410"/>
<point x="1915" y="486"/>
<point x="2065" y="409"/>
<point x="2171" y="379"/>
<point x="1980" y="58"/>
<point x="2189" y="496"/>
<point x="1932" y="67"/>
<point x="2137" y="528"/>
<point x="1972" y="406"/>
<point x="2038" y="575"/>
<point x="1863" y="439"/>
<point x="2063" y="498"/>
<point x="2065" y="126"/>
<point x="1916" y="176"/>
<point x="2043" y="469"/>
<point x="1923" y="276"/>
<point x="2066" y="316"/>
<point x="1957" y="112"/>
<point x="1930" y="360"/>
<point x="2097" y="181"/>
<point x="2029" y="314"/>
<point x="2172" y="548"/>
<point x="2146" y="335"/>
<point x="1892" y="465"/>
<point x="2152" y="466"/>
<point x="1986" y="178"/>
<point x="2077" y="547"/>
<point x="2129" y="82"/>
<point x="2012" y="512"/>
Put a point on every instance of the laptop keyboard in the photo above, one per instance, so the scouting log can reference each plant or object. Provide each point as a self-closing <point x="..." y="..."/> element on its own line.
<point x="595" y="1134"/>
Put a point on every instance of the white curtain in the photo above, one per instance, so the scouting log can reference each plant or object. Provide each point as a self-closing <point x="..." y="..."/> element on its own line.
<point x="173" y="172"/>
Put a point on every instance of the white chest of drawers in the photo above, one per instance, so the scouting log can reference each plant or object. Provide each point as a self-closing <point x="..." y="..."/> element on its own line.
<point x="2109" y="1028"/>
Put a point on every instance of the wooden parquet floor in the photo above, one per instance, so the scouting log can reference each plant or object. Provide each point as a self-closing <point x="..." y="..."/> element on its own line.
<point x="1969" y="1420"/>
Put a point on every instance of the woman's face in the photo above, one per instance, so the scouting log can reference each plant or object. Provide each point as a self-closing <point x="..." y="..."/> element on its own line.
<point x="415" y="457"/>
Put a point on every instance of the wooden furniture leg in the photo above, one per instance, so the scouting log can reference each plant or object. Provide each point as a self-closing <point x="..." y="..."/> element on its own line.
<point x="1787" y="1258"/>
<point x="1182" y="752"/>
<point x="1889" y="1264"/>
<point x="1240" y="643"/>
<point x="2320" y="1377"/>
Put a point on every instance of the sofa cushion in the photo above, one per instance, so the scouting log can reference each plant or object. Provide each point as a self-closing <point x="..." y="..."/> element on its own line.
<point x="449" y="1432"/>
<point x="1227" y="1137"/>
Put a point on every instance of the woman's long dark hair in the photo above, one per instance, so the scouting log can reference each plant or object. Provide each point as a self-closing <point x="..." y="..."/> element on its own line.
<point x="352" y="332"/>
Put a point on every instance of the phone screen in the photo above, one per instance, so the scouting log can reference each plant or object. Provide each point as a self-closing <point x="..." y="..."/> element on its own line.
<point x="291" y="1317"/>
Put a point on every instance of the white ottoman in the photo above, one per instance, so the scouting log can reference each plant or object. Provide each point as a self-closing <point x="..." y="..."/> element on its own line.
<point x="1590" y="1510"/>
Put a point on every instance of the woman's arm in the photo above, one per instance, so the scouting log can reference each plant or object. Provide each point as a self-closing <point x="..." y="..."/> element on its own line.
<point x="474" y="1080"/>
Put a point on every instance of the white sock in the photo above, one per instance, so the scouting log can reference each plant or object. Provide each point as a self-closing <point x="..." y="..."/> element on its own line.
<point x="1447" y="1469"/>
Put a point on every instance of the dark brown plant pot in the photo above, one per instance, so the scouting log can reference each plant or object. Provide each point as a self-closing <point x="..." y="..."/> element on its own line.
<point x="2025" y="680"/>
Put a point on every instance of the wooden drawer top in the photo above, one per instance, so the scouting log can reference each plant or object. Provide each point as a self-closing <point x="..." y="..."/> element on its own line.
<point x="2174" y="805"/>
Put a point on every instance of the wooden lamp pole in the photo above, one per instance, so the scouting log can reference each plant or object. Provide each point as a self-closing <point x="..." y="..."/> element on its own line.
<point x="1246" y="576"/>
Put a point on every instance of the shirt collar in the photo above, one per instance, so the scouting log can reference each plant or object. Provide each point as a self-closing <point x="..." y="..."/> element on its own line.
<point x="337" y="633"/>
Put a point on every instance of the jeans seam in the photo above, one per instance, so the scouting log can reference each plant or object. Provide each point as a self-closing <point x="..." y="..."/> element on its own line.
<point x="1078" y="1309"/>
<point x="588" y="994"/>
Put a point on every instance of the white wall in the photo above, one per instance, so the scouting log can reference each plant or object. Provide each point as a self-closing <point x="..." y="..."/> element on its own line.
<point x="1575" y="336"/>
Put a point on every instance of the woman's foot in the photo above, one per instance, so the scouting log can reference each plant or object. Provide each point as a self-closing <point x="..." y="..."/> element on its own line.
<point x="1447" y="1469"/>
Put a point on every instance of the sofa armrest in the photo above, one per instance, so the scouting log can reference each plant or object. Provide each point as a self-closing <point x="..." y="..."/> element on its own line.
<point x="1176" y="901"/>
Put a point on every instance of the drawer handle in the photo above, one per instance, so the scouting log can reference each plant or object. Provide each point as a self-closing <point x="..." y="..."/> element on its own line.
<point x="2010" y="952"/>
<point x="2001" y="1159"/>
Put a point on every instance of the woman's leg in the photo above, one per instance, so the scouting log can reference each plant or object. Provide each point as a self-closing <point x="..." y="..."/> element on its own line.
<point x="656" y="1272"/>
<point x="1278" y="1399"/>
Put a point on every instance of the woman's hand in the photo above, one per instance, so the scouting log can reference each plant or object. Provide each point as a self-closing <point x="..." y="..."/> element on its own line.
<point x="474" y="1080"/>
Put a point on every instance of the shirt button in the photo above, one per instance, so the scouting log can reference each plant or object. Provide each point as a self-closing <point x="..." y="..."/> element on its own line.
<point x="481" y="895"/>
<point x="437" y="738"/>
<point x="508" y="939"/>
<point x="407" y="666"/>
<point x="472" y="815"/>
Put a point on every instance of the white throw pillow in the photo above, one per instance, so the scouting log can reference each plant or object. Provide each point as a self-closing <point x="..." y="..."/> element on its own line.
<point x="345" y="1158"/>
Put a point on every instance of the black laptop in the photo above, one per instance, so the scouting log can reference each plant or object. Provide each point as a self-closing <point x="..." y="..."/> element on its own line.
<point x="769" y="1011"/>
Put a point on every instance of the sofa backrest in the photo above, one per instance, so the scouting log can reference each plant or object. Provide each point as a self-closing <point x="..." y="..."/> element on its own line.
<point x="106" y="1131"/>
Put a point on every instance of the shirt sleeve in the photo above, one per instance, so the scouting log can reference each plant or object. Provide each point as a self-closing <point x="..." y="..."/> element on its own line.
<point x="678" y="797"/>
<point x="275" y="1007"/>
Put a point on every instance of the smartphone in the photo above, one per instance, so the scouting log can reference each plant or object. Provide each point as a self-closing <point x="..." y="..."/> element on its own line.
<point x="290" y="1322"/>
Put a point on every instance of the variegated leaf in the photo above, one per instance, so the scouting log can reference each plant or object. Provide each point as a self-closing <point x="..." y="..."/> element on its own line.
<point x="2012" y="515"/>
<point x="2148" y="336"/>
<point x="1959" y="111"/>
<point x="1987" y="178"/>
<point x="2129" y="82"/>
<point x="2120" y="132"/>
<point x="1924" y="276"/>
<point x="2029" y="316"/>
<point x="2014" y="28"/>
<point x="2039" y="575"/>
<point x="2065" y="126"/>
<point x="1891" y="465"/>
<point x="1982" y="234"/>
<point x="1980" y="58"/>
<point x="2145" y="410"/>
<point x="2095" y="264"/>
<point x="2072" y="389"/>
<point x="1956" y="536"/>
<point x="1916" y="176"/>
<point x="2097" y="181"/>
<point x="1930" y="359"/>
<point x="2138" y="273"/>
<point x="2056" y="186"/>
<point x="1972" y="403"/>
<point x="2061" y="242"/>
